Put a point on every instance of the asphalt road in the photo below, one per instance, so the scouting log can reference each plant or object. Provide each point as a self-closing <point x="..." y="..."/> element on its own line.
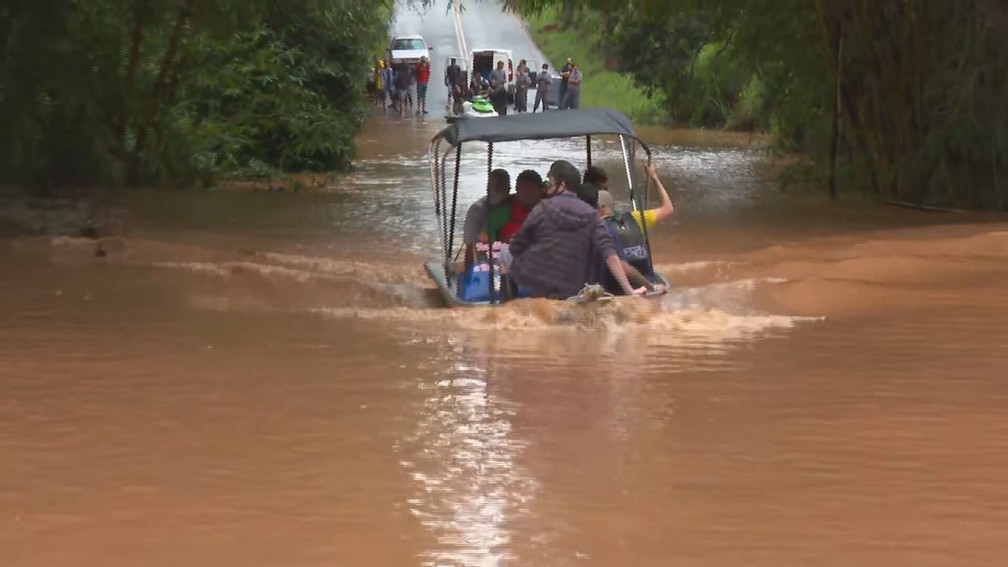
<point x="476" y="24"/>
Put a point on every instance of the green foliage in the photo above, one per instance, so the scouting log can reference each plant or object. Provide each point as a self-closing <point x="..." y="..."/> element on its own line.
<point x="602" y="86"/>
<point x="921" y="85"/>
<point x="155" y="91"/>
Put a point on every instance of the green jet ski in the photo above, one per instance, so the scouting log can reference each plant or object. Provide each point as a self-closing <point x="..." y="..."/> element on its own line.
<point x="479" y="107"/>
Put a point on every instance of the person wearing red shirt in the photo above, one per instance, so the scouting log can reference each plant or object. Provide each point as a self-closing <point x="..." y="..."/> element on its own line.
<point x="529" y="190"/>
<point x="423" y="71"/>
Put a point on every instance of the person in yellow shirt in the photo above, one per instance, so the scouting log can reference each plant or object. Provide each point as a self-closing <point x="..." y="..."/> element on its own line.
<point x="629" y="236"/>
<point x="596" y="175"/>
<point x="378" y="84"/>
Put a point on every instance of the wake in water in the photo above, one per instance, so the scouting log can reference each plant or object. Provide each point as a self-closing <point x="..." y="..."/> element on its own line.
<point x="712" y="302"/>
<point x="773" y="288"/>
<point x="715" y="305"/>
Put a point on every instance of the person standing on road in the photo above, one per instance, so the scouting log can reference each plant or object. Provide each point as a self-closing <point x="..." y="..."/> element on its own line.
<point x="423" y="71"/>
<point x="543" y="83"/>
<point x="403" y="78"/>
<point x="565" y="72"/>
<point x="498" y="97"/>
<point x="522" y="66"/>
<point x="453" y="80"/>
<point x="388" y="84"/>
<point x="453" y="74"/>
<point x="573" y="100"/>
<point x="378" y="86"/>
<point x="411" y="71"/>
<point x="522" y="84"/>
<point x="500" y="74"/>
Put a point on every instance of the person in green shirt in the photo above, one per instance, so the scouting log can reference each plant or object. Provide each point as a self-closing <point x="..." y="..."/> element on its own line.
<point x="476" y="228"/>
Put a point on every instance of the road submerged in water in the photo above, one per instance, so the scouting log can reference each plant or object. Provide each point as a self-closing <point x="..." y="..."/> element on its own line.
<point x="266" y="379"/>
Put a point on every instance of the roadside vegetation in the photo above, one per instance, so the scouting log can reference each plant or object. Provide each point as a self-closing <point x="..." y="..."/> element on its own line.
<point x="602" y="86"/>
<point x="181" y="92"/>
<point x="904" y="99"/>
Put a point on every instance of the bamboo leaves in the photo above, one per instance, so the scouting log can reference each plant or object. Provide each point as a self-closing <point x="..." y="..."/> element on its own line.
<point x="149" y="91"/>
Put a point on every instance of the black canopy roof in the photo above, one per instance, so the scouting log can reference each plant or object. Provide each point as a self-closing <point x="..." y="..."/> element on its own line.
<point x="528" y="126"/>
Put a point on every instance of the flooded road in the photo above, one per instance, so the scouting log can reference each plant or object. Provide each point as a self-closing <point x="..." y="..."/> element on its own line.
<point x="264" y="379"/>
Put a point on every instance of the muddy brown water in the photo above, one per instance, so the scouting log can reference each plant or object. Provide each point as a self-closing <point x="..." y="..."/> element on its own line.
<point x="265" y="379"/>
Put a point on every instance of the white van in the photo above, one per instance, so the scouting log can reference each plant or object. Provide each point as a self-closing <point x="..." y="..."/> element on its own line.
<point x="482" y="61"/>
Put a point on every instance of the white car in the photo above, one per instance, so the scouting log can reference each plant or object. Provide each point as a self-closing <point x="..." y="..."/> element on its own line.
<point x="408" y="49"/>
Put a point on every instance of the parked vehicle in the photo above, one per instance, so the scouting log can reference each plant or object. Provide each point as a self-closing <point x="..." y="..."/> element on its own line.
<point x="483" y="61"/>
<point x="408" y="49"/>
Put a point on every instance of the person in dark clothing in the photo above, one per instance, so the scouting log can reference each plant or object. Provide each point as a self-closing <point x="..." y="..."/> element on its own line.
<point x="403" y="79"/>
<point x="498" y="97"/>
<point x="596" y="176"/>
<point x="589" y="193"/>
<point x="455" y="81"/>
<point x="453" y="74"/>
<point x="388" y="84"/>
<point x="565" y="72"/>
<point x="522" y="83"/>
<point x="543" y="82"/>
<point x="412" y="85"/>
<point x="556" y="249"/>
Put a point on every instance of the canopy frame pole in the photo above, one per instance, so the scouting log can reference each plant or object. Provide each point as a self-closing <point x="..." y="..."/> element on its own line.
<point x="490" y="258"/>
<point x="438" y="177"/>
<point x="588" y="148"/>
<point x="454" y="206"/>
<point x="629" y="172"/>
<point x="443" y="220"/>
<point x="633" y="198"/>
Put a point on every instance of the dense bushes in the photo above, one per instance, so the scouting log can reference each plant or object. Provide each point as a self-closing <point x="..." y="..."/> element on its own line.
<point x="175" y="91"/>
<point x="904" y="98"/>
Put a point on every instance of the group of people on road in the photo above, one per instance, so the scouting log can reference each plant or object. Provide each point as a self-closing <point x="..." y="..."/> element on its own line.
<point x="569" y="96"/>
<point x="493" y="86"/>
<point x="557" y="235"/>
<point x="393" y="85"/>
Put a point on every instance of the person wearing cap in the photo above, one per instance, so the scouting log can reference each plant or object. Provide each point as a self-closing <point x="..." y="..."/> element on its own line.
<point x="627" y="232"/>
<point x="555" y="251"/>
